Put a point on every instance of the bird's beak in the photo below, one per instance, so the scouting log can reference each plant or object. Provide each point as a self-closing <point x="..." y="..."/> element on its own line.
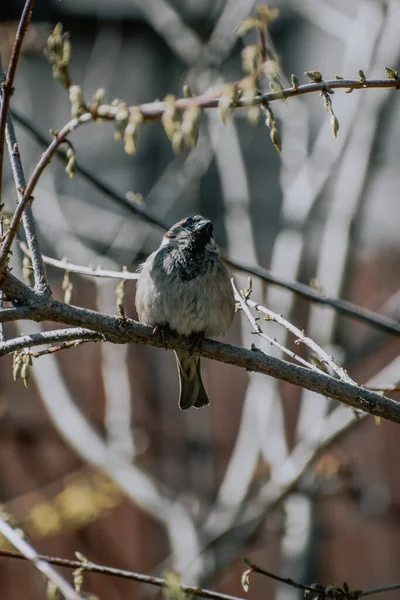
<point x="205" y="228"/>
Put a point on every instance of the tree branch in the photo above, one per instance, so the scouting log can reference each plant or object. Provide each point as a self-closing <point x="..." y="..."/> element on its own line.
<point x="75" y="334"/>
<point x="65" y="265"/>
<point x="152" y="111"/>
<point x="316" y="590"/>
<point x="323" y="356"/>
<point x="39" y="562"/>
<point x="103" y="570"/>
<point x="7" y="86"/>
<point x="27" y="193"/>
<point x="342" y="306"/>
<point x="45" y="140"/>
<point x="243" y="301"/>
<point x="39" y="271"/>
<point x="122" y="331"/>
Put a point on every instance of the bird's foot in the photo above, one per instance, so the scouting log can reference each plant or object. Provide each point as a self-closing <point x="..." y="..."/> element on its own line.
<point x="164" y="332"/>
<point x="196" y="341"/>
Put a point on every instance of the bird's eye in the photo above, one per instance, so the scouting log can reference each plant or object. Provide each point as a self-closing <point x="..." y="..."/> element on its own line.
<point x="189" y="222"/>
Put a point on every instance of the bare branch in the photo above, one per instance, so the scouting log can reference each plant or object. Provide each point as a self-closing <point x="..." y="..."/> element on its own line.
<point x="317" y="590"/>
<point x="91" y="567"/>
<point x="63" y="346"/>
<point x="103" y="570"/>
<point x="40" y="563"/>
<point x="379" y="590"/>
<point x="324" y="357"/>
<point x="104" y="187"/>
<point x="27" y="194"/>
<point x="257" y="329"/>
<point x="152" y="111"/>
<point x="39" y="271"/>
<point x="129" y="331"/>
<point x="256" y="569"/>
<point x="65" y="265"/>
<point x="7" y="86"/>
<point x="71" y="335"/>
<point x="342" y="306"/>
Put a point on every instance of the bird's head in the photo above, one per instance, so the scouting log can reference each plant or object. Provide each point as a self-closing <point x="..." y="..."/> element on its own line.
<point x="195" y="233"/>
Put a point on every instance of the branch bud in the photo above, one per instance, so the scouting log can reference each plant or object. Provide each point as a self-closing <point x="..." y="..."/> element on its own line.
<point x="315" y="76"/>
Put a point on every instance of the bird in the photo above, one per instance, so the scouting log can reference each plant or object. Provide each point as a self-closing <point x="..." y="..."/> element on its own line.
<point x="185" y="287"/>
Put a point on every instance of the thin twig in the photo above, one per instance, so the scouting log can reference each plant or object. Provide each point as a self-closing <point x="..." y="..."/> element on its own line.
<point x="27" y="194"/>
<point x="103" y="570"/>
<point x="7" y="86"/>
<point x="287" y="580"/>
<point x="257" y="329"/>
<point x="72" y="335"/>
<point x="63" y="346"/>
<point x="379" y="590"/>
<point x="318" y="590"/>
<point x="324" y="357"/>
<point x="200" y="592"/>
<point x="28" y="220"/>
<point x="65" y="265"/>
<point x="154" y="110"/>
<point x="342" y="306"/>
<point x="137" y="209"/>
<point x="39" y="562"/>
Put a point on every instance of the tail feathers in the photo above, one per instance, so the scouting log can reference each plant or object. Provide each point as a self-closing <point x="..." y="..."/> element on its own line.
<point x="192" y="392"/>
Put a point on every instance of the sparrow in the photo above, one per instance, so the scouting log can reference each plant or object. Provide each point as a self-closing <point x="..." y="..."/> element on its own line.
<point x="184" y="286"/>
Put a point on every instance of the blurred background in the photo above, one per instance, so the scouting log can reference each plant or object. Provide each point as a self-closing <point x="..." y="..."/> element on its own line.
<point x="95" y="456"/>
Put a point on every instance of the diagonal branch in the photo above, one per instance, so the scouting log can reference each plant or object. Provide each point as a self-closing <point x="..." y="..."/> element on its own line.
<point x="39" y="270"/>
<point x="26" y="197"/>
<point x="244" y="305"/>
<point x="103" y="186"/>
<point x="324" y="357"/>
<point x="29" y="553"/>
<point x="7" y="86"/>
<point x="342" y="306"/>
<point x="125" y="331"/>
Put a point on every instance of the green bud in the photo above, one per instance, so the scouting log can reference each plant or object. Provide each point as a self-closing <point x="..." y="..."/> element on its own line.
<point x="391" y="73"/>
<point x="276" y="139"/>
<point x="334" y="125"/>
<point x="315" y="76"/>
<point x="226" y="100"/>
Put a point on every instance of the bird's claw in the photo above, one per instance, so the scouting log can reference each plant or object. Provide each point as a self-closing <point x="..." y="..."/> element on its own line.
<point x="163" y="332"/>
<point x="196" y="341"/>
